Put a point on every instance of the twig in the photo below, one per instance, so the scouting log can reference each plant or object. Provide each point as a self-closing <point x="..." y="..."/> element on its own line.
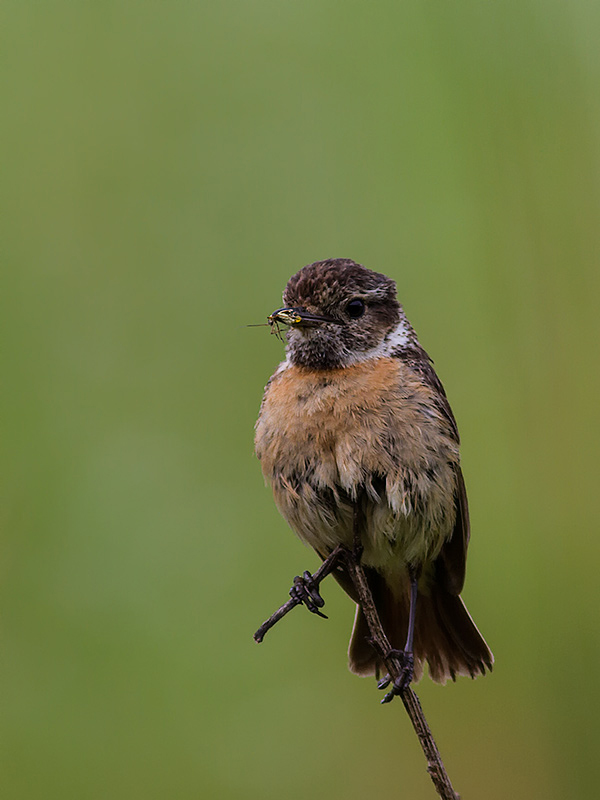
<point x="435" y="765"/>
<point x="351" y="559"/>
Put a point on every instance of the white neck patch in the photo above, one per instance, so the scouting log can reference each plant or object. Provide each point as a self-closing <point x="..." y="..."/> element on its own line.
<point x="397" y="339"/>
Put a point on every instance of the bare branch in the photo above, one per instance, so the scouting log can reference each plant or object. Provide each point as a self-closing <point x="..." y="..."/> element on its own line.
<point x="379" y="640"/>
<point x="435" y="765"/>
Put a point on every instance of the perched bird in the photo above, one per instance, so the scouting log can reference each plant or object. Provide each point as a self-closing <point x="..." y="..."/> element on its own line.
<point x="356" y="415"/>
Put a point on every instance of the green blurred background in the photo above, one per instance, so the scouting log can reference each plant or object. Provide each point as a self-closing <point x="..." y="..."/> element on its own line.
<point x="167" y="166"/>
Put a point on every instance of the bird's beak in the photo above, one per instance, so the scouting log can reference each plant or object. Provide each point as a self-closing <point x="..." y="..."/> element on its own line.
<point x="299" y="317"/>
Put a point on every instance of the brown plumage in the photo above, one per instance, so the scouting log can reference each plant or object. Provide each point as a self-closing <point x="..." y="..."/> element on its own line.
<point x="357" y="414"/>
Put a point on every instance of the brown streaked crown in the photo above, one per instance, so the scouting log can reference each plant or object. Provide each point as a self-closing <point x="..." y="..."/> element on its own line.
<point x="328" y="282"/>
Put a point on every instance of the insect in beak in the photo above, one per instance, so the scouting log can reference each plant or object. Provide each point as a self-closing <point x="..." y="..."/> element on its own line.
<point x="299" y="317"/>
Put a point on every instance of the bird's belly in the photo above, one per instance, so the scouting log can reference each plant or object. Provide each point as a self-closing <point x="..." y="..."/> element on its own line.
<point x="364" y="434"/>
<point x="323" y="518"/>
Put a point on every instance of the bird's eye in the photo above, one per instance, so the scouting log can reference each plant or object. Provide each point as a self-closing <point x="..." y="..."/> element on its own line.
<point x="355" y="308"/>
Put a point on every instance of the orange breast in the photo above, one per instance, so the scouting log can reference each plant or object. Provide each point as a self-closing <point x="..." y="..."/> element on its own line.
<point x="324" y="435"/>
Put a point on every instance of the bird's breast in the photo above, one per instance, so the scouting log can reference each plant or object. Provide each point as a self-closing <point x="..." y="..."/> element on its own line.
<point x="325" y="437"/>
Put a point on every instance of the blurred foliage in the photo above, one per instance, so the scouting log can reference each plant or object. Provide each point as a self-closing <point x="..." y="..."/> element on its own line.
<point x="167" y="166"/>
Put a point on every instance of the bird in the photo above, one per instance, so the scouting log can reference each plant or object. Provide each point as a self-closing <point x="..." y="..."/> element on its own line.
<point x="356" y="417"/>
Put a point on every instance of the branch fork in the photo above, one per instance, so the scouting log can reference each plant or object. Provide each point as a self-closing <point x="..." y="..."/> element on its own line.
<point x="398" y="663"/>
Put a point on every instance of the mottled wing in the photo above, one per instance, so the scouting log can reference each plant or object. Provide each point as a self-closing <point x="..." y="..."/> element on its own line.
<point x="451" y="563"/>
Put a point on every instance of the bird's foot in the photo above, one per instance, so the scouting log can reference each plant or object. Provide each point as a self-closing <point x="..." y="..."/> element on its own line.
<point x="306" y="591"/>
<point x="405" y="664"/>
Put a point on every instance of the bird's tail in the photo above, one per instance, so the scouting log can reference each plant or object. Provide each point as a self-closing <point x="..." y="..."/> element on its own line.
<point x="445" y="635"/>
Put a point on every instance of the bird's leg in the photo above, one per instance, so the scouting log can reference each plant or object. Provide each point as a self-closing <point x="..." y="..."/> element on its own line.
<point x="306" y="590"/>
<point x="404" y="658"/>
<point x="414" y="586"/>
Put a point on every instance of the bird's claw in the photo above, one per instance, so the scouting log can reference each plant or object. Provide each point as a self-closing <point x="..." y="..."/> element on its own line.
<point x="306" y="591"/>
<point x="405" y="663"/>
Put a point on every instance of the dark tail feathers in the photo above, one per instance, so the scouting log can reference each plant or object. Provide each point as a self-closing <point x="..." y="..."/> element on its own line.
<point x="445" y="635"/>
